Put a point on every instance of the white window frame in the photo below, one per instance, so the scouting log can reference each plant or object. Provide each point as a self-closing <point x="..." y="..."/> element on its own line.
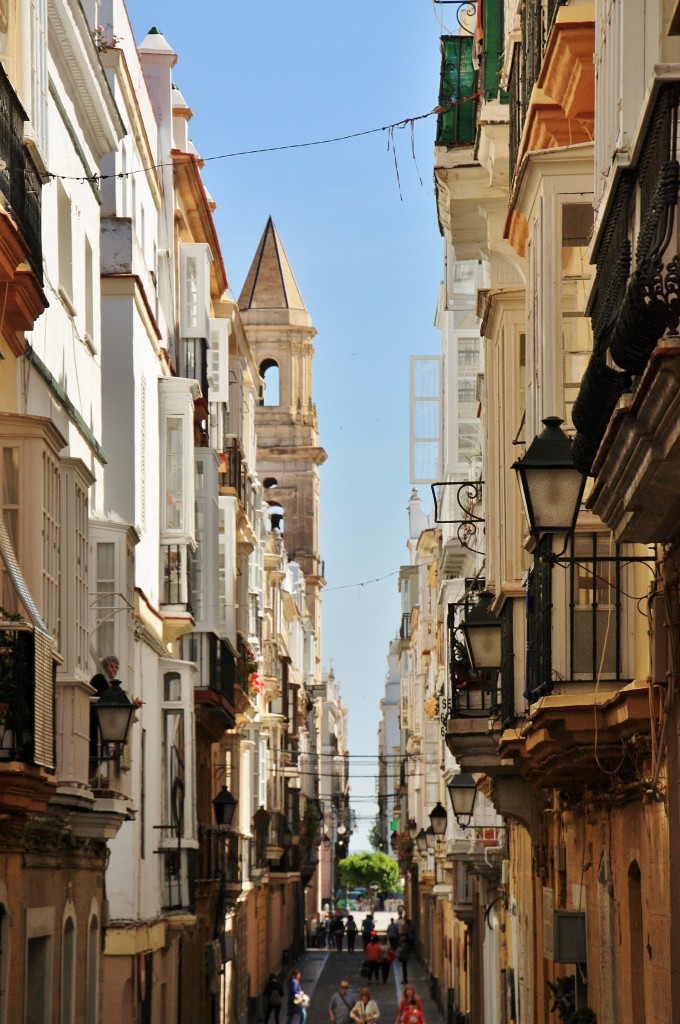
<point x="194" y="313"/>
<point x="176" y="396"/>
<point x="415" y="437"/>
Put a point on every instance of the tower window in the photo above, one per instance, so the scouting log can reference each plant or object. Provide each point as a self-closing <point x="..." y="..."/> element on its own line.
<point x="270" y="483"/>
<point x="269" y="372"/>
<point x="276" y="516"/>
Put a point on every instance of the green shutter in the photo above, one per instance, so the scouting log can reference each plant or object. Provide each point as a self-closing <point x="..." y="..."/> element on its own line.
<point x="457" y="92"/>
<point x="493" y="51"/>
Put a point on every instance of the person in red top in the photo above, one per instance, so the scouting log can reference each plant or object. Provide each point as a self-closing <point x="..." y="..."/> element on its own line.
<point x="413" y="1014"/>
<point x="407" y="996"/>
<point x="374" y="957"/>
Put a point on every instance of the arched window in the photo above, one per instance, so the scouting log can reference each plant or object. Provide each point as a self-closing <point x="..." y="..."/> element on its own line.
<point x="68" y="972"/>
<point x="92" y="978"/>
<point x="276" y="516"/>
<point x="269" y="372"/>
<point x="269" y="483"/>
<point x="637" y="944"/>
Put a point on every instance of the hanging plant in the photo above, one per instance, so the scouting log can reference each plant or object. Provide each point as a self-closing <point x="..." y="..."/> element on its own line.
<point x="404" y="852"/>
<point x="248" y="677"/>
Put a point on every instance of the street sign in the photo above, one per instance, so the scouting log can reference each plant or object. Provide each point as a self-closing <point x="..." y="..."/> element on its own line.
<point x="374" y="886"/>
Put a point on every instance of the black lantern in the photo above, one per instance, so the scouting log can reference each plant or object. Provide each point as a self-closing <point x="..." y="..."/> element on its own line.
<point x="421" y="841"/>
<point x="224" y="806"/>
<point x="430" y="838"/>
<point x="114" y="711"/>
<point x="482" y="632"/>
<point x="463" y="791"/>
<point x="412" y="828"/>
<point x="550" y="483"/>
<point x="438" y="819"/>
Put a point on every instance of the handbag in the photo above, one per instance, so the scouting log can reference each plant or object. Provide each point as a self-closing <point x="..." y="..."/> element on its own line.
<point x="301" y="999"/>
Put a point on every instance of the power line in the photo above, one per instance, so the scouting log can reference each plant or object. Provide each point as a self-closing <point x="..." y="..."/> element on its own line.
<point x="406" y="122"/>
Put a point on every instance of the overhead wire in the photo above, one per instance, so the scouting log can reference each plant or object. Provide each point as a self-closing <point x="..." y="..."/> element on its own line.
<point x="406" y="122"/>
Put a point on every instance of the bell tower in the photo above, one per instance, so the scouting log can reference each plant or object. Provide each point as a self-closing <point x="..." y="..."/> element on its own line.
<point x="281" y="333"/>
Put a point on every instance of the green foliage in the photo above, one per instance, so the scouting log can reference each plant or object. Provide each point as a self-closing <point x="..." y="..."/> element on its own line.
<point x="375" y="836"/>
<point x="363" y="868"/>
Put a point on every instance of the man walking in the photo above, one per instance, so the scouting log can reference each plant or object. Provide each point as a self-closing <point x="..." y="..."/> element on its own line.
<point x="341" y="1004"/>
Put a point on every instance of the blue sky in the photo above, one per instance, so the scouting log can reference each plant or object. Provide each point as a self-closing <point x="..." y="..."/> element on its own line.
<point x="367" y="262"/>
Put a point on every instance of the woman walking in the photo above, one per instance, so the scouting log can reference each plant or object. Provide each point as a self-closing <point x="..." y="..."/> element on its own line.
<point x="298" y="1001"/>
<point x="365" y="1010"/>
<point x="408" y="996"/>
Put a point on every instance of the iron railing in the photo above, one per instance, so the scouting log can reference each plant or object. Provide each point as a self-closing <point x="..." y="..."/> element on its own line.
<point x="20" y="181"/>
<point x="218" y="855"/>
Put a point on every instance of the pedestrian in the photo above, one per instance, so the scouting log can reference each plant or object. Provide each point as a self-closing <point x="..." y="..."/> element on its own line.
<point x="351" y="933"/>
<point x="298" y="1001"/>
<point x="388" y="956"/>
<point x="393" y="933"/>
<point x="337" y="930"/>
<point x="327" y="931"/>
<point x="413" y="1014"/>
<point x="403" y="954"/>
<point x="373" y="953"/>
<point x="407" y="995"/>
<point x="273" y="994"/>
<point x="365" y="1010"/>
<point x="366" y="929"/>
<point x="341" y="1004"/>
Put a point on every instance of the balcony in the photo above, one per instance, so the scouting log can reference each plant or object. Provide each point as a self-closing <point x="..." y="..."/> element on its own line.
<point x="26" y="696"/>
<point x="20" y="181"/>
<point x="576" y="740"/>
<point x="218" y="855"/>
<point x="175" y="582"/>
<point x="214" y="686"/>
<point x="627" y="417"/>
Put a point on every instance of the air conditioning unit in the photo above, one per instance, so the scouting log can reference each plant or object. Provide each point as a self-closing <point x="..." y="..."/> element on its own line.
<point x="569" y="935"/>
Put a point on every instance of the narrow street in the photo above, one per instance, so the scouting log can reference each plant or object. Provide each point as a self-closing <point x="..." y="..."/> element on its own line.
<point x="322" y="970"/>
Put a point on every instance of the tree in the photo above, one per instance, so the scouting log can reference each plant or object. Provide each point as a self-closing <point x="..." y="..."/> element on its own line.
<point x="375" y="835"/>
<point x="363" y="868"/>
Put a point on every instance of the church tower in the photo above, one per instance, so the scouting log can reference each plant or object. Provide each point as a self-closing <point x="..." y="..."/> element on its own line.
<point x="281" y="333"/>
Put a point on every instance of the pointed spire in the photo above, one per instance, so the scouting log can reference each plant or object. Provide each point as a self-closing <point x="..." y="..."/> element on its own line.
<point x="270" y="283"/>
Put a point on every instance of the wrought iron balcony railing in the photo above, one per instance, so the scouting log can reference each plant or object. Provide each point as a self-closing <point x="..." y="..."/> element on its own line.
<point x="218" y="855"/>
<point x="20" y="181"/>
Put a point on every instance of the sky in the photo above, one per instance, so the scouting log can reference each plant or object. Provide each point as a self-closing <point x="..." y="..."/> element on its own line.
<point x="358" y="222"/>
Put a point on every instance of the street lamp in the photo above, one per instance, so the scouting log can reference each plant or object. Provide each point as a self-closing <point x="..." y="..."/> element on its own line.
<point x="114" y="711"/>
<point x="412" y="829"/>
<point x="224" y="806"/>
<point x="482" y="632"/>
<point x="421" y="841"/>
<point x="549" y="482"/>
<point x="438" y="819"/>
<point x="463" y="791"/>
<point x="430" y="838"/>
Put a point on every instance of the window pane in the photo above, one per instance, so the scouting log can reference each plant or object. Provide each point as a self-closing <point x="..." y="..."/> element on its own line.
<point x="426" y="378"/>
<point x="425" y="419"/>
<point x="174" y="473"/>
<point x="425" y="460"/>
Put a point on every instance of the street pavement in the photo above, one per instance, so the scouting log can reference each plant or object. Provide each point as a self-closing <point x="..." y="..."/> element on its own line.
<point x="322" y="970"/>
